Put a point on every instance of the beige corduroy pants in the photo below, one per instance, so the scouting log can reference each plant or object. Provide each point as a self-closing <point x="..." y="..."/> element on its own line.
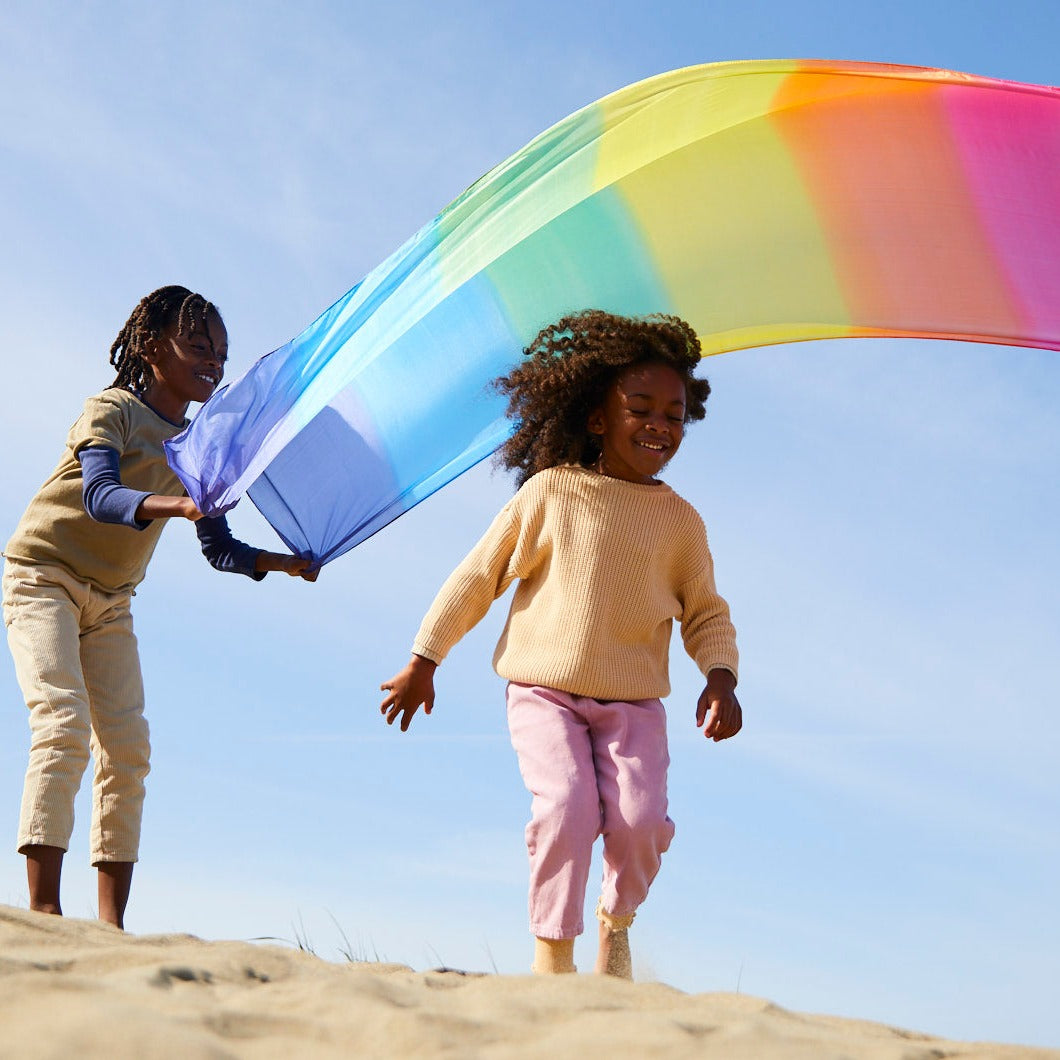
<point x="77" y="663"/>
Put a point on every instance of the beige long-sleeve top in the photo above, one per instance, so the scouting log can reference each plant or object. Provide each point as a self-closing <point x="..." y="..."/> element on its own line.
<point x="604" y="568"/>
<point x="55" y="527"/>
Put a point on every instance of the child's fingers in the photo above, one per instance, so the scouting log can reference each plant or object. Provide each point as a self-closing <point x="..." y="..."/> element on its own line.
<point x="701" y="711"/>
<point x="726" y="720"/>
<point x="391" y="707"/>
<point x="711" y="720"/>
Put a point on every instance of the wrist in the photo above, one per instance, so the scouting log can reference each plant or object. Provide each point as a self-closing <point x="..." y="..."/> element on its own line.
<point x="722" y="679"/>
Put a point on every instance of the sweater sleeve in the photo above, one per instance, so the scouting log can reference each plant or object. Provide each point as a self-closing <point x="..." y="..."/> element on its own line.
<point x="464" y="599"/>
<point x="106" y="499"/>
<point x="223" y="551"/>
<point x="706" y="629"/>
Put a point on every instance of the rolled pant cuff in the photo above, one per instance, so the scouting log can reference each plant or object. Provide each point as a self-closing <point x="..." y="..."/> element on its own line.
<point x="25" y="842"/>
<point x="546" y="931"/>
<point x="114" y="857"/>
<point x="610" y="920"/>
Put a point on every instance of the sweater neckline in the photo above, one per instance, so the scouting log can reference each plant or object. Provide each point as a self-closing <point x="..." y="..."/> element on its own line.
<point x="592" y="475"/>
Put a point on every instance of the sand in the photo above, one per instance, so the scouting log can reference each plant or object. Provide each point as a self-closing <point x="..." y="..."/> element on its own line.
<point x="80" y="988"/>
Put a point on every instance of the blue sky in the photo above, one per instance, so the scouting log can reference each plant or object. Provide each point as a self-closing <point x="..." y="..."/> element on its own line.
<point x="879" y="842"/>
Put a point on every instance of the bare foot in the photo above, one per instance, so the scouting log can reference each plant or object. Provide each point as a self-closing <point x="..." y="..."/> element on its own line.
<point x="553" y="957"/>
<point x="613" y="957"/>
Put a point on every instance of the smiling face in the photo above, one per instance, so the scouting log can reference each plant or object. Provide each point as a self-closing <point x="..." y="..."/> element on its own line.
<point x="641" y="422"/>
<point x="186" y="368"/>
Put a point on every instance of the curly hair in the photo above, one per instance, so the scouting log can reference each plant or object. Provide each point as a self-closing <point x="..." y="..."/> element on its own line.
<point x="168" y="306"/>
<point x="572" y="365"/>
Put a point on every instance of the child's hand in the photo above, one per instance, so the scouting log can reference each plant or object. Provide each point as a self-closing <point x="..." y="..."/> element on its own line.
<point x="719" y="708"/>
<point x="407" y="690"/>
<point x="295" y="566"/>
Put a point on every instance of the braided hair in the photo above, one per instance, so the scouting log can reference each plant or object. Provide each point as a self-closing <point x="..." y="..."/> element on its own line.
<point x="572" y="365"/>
<point x="161" y="309"/>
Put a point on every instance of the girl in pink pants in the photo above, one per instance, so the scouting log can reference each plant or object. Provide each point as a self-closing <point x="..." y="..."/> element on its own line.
<point x="606" y="557"/>
<point x="593" y="768"/>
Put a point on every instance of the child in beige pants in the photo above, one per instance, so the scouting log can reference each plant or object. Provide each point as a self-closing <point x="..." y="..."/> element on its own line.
<point x="76" y="556"/>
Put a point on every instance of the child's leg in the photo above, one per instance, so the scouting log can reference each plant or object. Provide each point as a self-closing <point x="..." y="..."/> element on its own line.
<point x="121" y="748"/>
<point x="612" y="954"/>
<point x="44" y="866"/>
<point x="550" y="737"/>
<point x="43" y="616"/>
<point x="631" y="760"/>
<point x="114" y="883"/>
<point x="553" y="957"/>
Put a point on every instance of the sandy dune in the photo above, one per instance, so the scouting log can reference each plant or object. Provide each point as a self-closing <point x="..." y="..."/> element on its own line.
<point x="79" y="988"/>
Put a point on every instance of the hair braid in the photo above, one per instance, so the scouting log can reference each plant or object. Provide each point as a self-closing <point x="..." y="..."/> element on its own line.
<point x="571" y="366"/>
<point x="163" y="308"/>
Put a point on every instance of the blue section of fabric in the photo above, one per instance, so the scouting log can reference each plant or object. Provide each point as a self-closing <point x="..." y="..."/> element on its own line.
<point x="412" y="421"/>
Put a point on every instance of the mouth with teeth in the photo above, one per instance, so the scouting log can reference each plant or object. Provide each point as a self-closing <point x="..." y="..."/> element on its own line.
<point x="208" y="377"/>
<point x="655" y="447"/>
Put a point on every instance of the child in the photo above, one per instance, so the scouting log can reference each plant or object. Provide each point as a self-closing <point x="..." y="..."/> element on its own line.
<point x="607" y="556"/>
<point x="70" y="569"/>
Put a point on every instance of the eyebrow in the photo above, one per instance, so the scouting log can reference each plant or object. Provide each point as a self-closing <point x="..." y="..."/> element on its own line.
<point x="648" y="397"/>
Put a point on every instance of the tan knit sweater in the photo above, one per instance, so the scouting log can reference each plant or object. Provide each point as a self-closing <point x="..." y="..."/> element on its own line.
<point x="604" y="567"/>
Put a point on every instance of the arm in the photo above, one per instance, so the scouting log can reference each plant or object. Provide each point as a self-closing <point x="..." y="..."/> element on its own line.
<point x="108" y="501"/>
<point x="710" y="640"/>
<point x="481" y="577"/>
<point x="225" y="553"/>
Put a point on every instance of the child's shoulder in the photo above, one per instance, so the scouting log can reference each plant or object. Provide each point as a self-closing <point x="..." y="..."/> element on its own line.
<point x="550" y="477"/>
<point x="552" y="480"/>
<point x="106" y="418"/>
<point x="114" y="398"/>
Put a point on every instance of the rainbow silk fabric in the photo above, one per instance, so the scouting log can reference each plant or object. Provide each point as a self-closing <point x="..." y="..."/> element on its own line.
<point x="764" y="202"/>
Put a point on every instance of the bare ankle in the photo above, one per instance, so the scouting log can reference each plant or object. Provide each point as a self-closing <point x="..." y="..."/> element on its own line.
<point x="613" y="957"/>
<point x="44" y="867"/>
<point x="553" y="957"/>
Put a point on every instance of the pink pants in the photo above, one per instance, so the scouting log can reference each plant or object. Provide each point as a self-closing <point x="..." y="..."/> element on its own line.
<point x="593" y="767"/>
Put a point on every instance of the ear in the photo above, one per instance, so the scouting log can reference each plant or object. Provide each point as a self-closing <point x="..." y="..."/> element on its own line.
<point x="595" y="423"/>
<point x="150" y="352"/>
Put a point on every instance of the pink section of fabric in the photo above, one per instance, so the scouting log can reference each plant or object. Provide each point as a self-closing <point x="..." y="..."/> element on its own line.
<point x="593" y="767"/>
<point x="1009" y="141"/>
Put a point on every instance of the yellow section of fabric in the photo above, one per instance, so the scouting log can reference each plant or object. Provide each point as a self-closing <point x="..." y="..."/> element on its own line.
<point x="710" y="181"/>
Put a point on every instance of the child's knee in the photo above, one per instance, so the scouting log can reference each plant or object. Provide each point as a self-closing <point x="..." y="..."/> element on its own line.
<point x="645" y="828"/>
<point x="572" y="819"/>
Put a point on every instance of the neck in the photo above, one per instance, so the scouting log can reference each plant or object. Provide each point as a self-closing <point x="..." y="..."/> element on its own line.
<point x="167" y="406"/>
<point x="601" y="468"/>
